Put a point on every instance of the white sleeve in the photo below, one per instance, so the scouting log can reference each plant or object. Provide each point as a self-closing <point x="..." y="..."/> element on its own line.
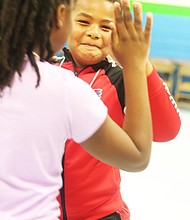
<point x="85" y="110"/>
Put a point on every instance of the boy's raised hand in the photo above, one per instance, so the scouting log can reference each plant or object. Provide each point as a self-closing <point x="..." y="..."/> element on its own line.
<point x="130" y="42"/>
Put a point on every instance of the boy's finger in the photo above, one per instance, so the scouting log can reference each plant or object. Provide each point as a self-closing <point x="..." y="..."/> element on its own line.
<point x="148" y="26"/>
<point x="137" y="16"/>
<point x="114" y="36"/>
<point x="128" y="18"/>
<point x="119" y="22"/>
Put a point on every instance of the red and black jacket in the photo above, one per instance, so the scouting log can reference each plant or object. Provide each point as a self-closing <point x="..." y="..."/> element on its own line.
<point x="92" y="188"/>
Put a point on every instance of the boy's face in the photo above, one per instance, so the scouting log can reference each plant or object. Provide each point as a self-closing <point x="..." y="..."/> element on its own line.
<point x="91" y="33"/>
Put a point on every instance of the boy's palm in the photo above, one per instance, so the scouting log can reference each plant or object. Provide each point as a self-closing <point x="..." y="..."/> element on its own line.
<point x="130" y="42"/>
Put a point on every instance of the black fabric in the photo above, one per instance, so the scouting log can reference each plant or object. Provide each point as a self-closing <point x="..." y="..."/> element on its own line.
<point x="114" y="73"/>
<point x="63" y="194"/>
<point x="113" y="216"/>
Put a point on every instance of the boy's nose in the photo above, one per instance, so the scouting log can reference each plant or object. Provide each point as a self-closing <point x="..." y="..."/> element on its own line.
<point x="94" y="32"/>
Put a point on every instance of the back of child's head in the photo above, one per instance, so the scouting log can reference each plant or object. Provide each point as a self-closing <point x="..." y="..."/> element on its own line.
<point x="23" y="25"/>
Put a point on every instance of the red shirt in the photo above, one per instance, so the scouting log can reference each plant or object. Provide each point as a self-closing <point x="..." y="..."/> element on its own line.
<point x="92" y="188"/>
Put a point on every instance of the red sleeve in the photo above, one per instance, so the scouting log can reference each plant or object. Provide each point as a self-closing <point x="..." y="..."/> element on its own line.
<point x="60" y="206"/>
<point x="165" y="115"/>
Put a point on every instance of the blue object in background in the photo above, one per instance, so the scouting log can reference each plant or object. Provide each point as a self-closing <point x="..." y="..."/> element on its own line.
<point x="170" y="37"/>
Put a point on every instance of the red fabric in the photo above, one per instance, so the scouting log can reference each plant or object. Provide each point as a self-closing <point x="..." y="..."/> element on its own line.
<point x="61" y="210"/>
<point x="92" y="188"/>
<point x="165" y="115"/>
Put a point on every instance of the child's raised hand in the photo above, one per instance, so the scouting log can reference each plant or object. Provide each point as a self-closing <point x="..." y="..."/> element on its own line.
<point x="130" y="42"/>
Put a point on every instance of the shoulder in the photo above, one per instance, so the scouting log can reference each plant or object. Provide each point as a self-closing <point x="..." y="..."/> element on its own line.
<point x="48" y="68"/>
<point x="114" y="71"/>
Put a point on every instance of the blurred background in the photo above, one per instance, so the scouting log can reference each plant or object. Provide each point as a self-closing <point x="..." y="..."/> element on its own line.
<point x="162" y="191"/>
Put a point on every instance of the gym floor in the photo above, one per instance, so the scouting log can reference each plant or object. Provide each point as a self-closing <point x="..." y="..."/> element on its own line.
<point x="162" y="190"/>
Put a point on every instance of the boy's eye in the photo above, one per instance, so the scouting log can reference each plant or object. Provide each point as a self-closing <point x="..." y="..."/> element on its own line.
<point x="106" y="28"/>
<point x="83" y="22"/>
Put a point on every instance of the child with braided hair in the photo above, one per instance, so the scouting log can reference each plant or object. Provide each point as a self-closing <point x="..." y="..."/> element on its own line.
<point x="42" y="105"/>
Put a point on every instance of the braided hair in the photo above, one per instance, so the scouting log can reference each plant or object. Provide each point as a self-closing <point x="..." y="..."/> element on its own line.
<point x="24" y="24"/>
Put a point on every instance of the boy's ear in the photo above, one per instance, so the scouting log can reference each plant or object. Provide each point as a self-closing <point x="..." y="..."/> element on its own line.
<point x="60" y="16"/>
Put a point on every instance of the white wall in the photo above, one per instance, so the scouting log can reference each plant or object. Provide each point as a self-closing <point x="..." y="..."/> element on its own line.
<point x="162" y="191"/>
